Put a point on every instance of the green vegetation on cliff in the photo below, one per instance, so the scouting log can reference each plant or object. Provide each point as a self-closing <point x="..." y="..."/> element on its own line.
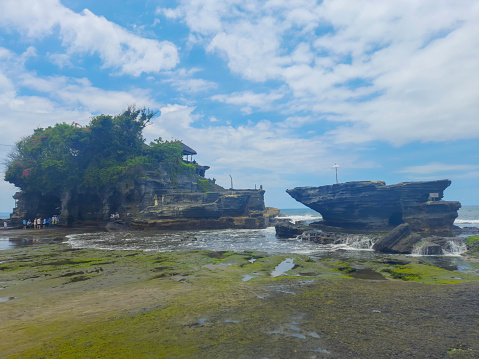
<point x="108" y="151"/>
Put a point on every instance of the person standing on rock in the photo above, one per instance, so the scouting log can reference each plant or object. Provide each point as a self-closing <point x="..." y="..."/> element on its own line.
<point x="24" y="224"/>
<point x="5" y="225"/>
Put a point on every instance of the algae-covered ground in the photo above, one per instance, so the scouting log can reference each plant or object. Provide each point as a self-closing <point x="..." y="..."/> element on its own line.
<point x="56" y="302"/>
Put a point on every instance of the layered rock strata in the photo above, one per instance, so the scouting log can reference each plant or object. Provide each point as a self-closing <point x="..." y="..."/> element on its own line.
<point x="229" y="209"/>
<point x="372" y="205"/>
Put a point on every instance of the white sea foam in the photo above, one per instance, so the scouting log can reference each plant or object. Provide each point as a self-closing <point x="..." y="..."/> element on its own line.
<point x="303" y="218"/>
<point x="465" y="221"/>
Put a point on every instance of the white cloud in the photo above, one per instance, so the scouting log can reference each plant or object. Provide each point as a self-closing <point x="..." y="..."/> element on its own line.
<point x="259" y="147"/>
<point x="79" y="93"/>
<point x="439" y="168"/>
<point x="87" y="33"/>
<point x="397" y="71"/>
<point x="57" y="99"/>
<point x="192" y="85"/>
<point x="249" y="100"/>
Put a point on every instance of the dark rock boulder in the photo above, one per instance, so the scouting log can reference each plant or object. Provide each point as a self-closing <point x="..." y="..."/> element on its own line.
<point x="288" y="230"/>
<point x="320" y="237"/>
<point x="399" y="240"/>
<point x="116" y="226"/>
<point x="372" y="205"/>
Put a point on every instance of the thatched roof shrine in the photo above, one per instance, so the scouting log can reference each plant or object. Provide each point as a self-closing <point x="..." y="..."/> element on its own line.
<point x="187" y="151"/>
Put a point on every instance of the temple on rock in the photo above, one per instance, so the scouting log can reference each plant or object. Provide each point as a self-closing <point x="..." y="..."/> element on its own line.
<point x="167" y="197"/>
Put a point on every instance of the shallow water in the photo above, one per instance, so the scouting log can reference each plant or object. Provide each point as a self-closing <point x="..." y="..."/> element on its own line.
<point x="9" y="243"/>
<point x="283" y="267"/>
<point x="240" y="240"/>
<point x="261" y="240"/>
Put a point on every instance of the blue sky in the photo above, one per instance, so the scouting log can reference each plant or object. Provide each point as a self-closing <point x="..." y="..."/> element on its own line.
<point x="272" y="92"/>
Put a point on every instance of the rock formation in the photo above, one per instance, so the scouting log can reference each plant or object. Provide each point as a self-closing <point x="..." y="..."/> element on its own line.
<point x="372" y="205"/>
<point x="399" y="240"/>
<point x="156" y="200"/>
<point x="225" y="209"/>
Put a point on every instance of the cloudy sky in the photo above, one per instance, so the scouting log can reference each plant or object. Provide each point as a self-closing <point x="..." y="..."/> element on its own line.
<point x="272" y="92"/>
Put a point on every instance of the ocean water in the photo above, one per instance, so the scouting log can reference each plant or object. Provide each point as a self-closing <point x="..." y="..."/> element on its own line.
<point x="263" y="240"/>
<point x="468" y="216"/>
<point x="4" y="215"/>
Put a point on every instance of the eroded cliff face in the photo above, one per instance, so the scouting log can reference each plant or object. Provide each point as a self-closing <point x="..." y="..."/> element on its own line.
<point x="374" y="205"/>
<point x="225" y="209"/>
<point x="155" y="200"/>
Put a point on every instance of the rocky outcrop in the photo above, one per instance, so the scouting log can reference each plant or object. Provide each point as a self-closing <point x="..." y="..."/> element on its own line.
<point x="288" y="230"/>
<point x="116" y="226"/>
<point x="372" y="205"/>
<point x="437" y="215"/>
<point x="399" y="240"/>
<point x="228" y="209"/>
<point x="158" y="199"/>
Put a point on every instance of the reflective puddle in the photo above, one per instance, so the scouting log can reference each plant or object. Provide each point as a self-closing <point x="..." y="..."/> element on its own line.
<point x="283" y="267"/>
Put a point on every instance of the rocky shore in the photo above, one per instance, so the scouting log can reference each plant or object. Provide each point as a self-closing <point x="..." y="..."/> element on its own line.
<point x="60" y="302"/>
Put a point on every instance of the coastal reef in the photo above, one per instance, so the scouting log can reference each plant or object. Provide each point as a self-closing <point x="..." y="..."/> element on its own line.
<point x="373" y="205"/>
<point x="84" y="175"/>
<point x="59" y="302"/>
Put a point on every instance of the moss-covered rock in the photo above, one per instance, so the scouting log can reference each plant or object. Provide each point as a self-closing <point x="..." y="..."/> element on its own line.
<point x="205" y="304"/>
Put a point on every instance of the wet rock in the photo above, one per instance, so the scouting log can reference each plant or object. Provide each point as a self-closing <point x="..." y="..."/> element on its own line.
<point x="116" y="226"/>
<point x="399" y="240"/>
<point x="320" y="237"/>
<point x="288" y="230"/>
<point x="431" y="250"/>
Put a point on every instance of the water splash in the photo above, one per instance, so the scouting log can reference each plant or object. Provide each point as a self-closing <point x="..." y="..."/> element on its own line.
<point x="453" y="247"/>
<point x="340" y="241"/>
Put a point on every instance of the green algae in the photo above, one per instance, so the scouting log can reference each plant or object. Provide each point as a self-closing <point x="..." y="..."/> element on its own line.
<point x="472" y="244"/>
<point x="190" y="305"/>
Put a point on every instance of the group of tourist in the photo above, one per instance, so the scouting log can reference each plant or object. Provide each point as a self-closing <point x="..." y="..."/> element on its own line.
<point x="114" y="217"/>
<point x="39" y="223"/>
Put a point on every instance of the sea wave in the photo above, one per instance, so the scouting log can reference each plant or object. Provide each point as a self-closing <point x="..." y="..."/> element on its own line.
<point x="465" y="221"/>
<point x="303" y="218"/>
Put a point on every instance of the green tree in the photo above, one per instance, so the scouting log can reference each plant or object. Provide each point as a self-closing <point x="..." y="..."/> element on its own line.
<point x="108" y="151"/>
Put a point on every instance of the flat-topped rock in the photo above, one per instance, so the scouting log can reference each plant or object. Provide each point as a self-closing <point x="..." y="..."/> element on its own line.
<point x="375" y="205"/>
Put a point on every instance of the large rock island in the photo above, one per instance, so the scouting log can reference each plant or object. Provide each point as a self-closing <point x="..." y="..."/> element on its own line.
<point x="373" y="205"/>
<point x="84" y="175"/>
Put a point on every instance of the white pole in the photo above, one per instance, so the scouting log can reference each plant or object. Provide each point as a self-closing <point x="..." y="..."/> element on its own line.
<point x="336" y="168"/>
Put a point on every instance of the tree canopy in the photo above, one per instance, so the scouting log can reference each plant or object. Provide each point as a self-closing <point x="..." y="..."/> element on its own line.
<point x="108" y="151"/>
